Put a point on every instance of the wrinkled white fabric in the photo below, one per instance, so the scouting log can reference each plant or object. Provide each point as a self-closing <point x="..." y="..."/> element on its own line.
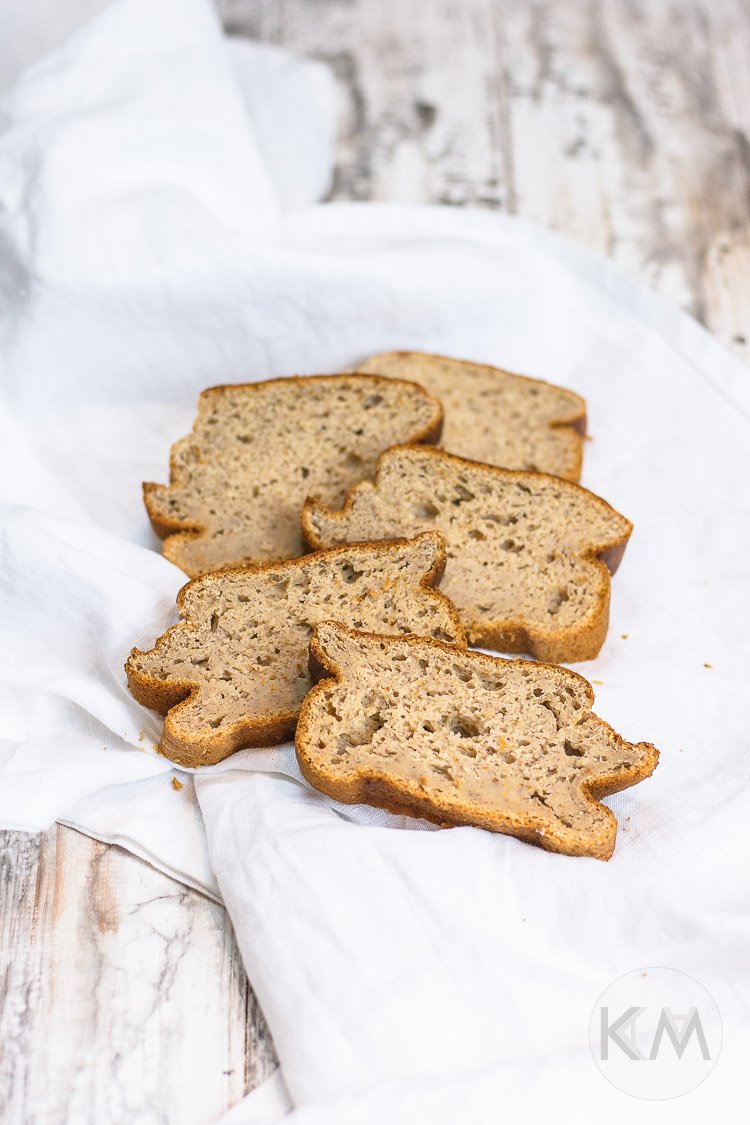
<point x="156" y="236"/>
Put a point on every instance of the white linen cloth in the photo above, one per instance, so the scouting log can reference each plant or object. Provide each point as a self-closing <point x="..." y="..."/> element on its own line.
<point x="159" y="234"/>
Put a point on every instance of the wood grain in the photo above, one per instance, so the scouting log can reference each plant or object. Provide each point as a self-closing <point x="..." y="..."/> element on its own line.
<point x="623" y="124"/>
<point x="123" y="995"/>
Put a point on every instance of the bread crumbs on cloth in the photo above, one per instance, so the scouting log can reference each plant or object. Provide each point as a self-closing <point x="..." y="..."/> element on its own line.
<point x="176" y="784"/>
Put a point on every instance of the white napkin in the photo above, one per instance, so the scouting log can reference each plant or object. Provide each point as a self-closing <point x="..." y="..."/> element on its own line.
<point x="156" y="238"/>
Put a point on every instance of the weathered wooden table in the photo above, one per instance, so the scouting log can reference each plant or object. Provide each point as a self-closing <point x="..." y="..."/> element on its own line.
<point x="624" y="124"/>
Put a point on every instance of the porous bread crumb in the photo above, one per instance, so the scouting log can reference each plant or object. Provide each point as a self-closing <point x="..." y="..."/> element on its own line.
<point x="176" y="784"/>
<point x="234" y="672"/>
<point x="459" y="737"/>
<point x="258" y="450"/>
<point x="527" y="553"/>
<point x="495" y="416"/>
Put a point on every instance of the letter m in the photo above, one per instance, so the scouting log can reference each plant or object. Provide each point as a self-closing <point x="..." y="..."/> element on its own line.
<point x="679" y="1039"/>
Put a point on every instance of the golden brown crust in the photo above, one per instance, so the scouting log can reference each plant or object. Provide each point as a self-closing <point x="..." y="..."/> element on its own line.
<point x="582" y="641"/>
<point x="167" y="697"/>
<point x="381" y="789"/>
<point x="171" y="528"/>
<point x="572" y="423"/>
<point x="578" y="642"/>
<point x="162" y="525"/>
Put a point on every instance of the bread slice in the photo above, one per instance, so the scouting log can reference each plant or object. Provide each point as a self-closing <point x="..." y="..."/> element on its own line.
<point x="234" y="672"/>
<point x="456" y="737"/>
<point x="528" y="554"/>
<point x="494" y="416"/>
<point x="257" y="450"/>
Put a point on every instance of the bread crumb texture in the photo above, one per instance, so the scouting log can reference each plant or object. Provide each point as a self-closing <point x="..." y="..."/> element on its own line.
<point x="257" y="450"/>
<point x="458" y="737"/>
<point x="495" y="416"/>
<point x="528" y="555"/>
<point x="234" y="671"/>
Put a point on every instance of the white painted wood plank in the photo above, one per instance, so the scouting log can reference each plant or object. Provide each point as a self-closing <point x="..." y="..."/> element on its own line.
<point x="123" y="995"/>
<point x="624" y="126"/>
<point x="418" y="121"/>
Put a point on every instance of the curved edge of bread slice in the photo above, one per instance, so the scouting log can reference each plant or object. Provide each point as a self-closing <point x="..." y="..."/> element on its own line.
<point x="494" y="415"/>
<point x="579" y="641"/>
<point x="184" y="533"/>
<point x="413" y="726"/>
<point x="242" y="642"/>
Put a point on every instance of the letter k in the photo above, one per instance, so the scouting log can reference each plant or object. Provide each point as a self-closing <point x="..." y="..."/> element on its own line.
<point x="612" y="1031"/>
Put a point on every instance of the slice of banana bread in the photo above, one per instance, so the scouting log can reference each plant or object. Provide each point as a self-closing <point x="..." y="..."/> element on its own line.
<point x="528" y="555"/>
<point x="258" y="449"/>
<point x="234" y="672"/>
<point x="494" y="416"/>
<point x="424" y="729"/>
